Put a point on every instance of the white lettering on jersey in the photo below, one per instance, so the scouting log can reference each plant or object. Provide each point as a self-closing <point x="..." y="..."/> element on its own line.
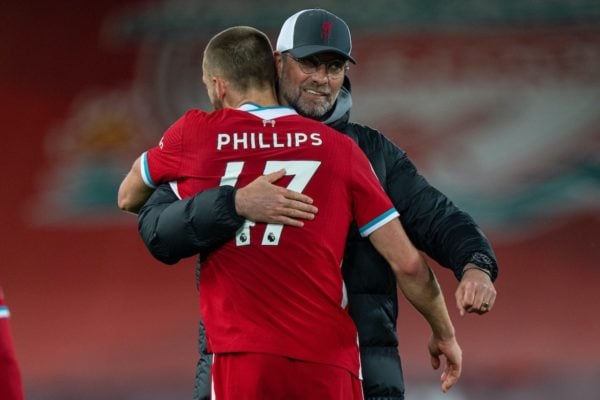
<point x="243" y="141"/>
<point x="300" y="138"/>
<point x="260" y="140"/>
<point x="316" y="139"/>
<point x="223" y="139"/>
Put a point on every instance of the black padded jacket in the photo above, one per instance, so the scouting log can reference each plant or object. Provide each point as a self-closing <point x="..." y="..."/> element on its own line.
<point x="176" y="229"/>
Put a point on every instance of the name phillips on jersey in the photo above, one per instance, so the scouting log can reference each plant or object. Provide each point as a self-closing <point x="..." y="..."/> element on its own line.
<point x="252" y="140"/>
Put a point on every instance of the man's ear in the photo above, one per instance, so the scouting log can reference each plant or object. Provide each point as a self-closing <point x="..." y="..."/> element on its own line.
<point x="278" y="62"/>
<point x="220" y="87"/>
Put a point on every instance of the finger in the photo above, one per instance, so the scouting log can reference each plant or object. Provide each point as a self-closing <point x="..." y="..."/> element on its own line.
<point x="485" y="306"/>
<point x="275" y="176"/>
<point x="478" y="297"/>
<point x="435" y="362"/>
<point x="460" y="300"/>
<point x="478" y="292"/>
<point x="288" y="221"/>
<point x="467" y="299"/>
<point x="484" y="297"/>
<point x="477" y="310"/>
<point x="301" y="207"/>
<point x="299" y="197"/>
<point x="483" y="309"/>
<point x="449" y="378"/>
<point x="443" y="378"/>
<point x="297" y="214"/>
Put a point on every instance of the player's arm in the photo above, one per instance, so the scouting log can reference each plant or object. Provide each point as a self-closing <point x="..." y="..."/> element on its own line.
<point x="160" y="164"/>
<point x="375" y="218"/>
<point x="419" y="285"/>
<point x="443" y="231"/>
<point x="133" y="191"/>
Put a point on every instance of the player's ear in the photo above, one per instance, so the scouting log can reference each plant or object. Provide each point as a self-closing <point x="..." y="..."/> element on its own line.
<point x="220" y="87"/>
<point x="278" y="62"/>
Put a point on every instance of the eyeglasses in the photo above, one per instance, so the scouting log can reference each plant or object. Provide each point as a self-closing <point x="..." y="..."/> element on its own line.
<point x="309" y="65"/>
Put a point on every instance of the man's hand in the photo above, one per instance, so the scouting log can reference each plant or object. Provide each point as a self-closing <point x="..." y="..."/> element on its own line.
<point x="475" y="293"/>
<point x="450" y="349"/>
<point x="262" y="201"/>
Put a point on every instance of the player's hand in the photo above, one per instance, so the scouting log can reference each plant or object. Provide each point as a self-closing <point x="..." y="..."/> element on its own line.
<point x="452" y="352"/>
<point x="262" y="201"/>
<point x="475" y="293"/>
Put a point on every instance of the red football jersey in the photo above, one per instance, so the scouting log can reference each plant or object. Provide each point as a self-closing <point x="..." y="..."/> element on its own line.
<point x="275" y="289"/>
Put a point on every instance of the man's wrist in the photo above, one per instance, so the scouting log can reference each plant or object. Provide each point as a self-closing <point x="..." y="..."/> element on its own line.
<point x="444" y="331"/>
<point x="231" y="201"/>
<point x="482" y="262"/>
<point x="469" y="267"/>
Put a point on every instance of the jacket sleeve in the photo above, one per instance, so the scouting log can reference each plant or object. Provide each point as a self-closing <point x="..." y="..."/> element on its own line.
<point x="173" y="229"/>
<point x="433" y="222"/>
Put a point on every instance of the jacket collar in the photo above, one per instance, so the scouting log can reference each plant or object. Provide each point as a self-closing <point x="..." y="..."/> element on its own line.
<point x="339" y="115"/>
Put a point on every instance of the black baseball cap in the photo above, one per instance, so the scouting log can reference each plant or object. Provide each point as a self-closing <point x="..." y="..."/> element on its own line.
<point x="315" y="31"/>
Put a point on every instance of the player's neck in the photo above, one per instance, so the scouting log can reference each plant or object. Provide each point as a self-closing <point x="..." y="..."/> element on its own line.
<point x="263" y="98"/>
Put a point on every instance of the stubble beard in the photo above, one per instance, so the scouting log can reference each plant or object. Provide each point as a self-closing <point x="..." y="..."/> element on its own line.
<point x="311" y="108"/>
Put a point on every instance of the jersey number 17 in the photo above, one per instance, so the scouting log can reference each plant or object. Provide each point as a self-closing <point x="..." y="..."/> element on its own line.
<point x="302" y="172"/>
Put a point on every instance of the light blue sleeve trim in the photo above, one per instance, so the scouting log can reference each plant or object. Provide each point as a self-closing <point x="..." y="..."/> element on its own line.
<point x="378" y="222"/>
<point x="146" y="171"/>
<point x="4" y="313"/>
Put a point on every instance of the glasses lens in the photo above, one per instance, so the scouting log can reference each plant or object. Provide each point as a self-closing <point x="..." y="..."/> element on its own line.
<point x="310" y="65"/>
<point x="335" y="67"/>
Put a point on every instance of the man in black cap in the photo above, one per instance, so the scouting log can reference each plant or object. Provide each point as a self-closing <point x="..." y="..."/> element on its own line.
<point x="312" y="54"/>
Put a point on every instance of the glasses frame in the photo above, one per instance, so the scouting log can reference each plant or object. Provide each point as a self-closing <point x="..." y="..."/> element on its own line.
<point x="316" y="64"/>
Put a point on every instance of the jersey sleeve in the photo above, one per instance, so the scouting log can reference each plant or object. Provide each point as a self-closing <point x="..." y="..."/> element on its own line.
<point x="161" y="163"/>
<point x="371" y="207"/>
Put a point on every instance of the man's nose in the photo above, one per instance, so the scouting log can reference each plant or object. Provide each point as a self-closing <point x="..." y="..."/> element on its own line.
<point x="321" y="74"/>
